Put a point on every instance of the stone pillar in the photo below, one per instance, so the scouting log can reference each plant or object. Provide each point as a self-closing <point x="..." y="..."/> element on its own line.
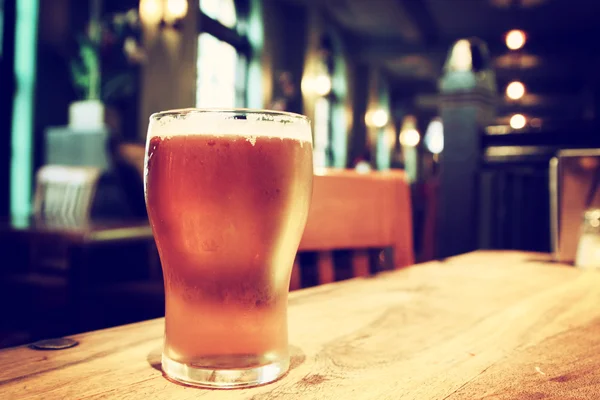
<point x="467" y="104"/>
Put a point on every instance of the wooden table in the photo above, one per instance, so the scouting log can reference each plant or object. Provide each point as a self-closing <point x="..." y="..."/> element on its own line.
<point x="483" y="325"/>
<point x="93" y="231"/>
<point x="54" y="263"/>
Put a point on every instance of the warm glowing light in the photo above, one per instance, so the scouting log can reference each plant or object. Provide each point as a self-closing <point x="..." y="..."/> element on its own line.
<point x="319" y="85"/>
<point x="176" y="10"/>
<point x="322" y="85"/>
<point x="518" y="121"/>
<point x="515" y="90"/>
<point x="410" y="138"/>
<point x="461" y="58"/>
<point x="515" y="39"/>
<point x="377" y="118"/>
<point x="307" y="85"/>
<point x="151" y="11"/>
<point x="363" y="167"/>
<point x="434" y="137"/>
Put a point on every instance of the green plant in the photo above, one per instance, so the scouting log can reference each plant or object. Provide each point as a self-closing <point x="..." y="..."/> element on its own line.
<point x="104" y="68"/>
<point x="85" y="69"/>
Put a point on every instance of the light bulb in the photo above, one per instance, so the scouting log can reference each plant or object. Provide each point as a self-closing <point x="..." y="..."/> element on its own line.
<point x="409" y="137"/>
<point x="379" y="118"/>
<point x="176" y="10"/>
<point x="518" y="121"/>
<point x="151" y="11"/>
<point x="515" y="90"/>
<point x="515" y="39"/>
<point x="322" y="85"/>
<point x="434" y="137"/>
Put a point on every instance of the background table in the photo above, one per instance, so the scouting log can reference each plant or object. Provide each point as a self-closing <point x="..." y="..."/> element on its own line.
<point x="483" y="325"/>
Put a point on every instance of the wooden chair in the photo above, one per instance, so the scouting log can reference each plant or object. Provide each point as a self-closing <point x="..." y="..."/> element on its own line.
<point x="429" y="239"/>
<point x="358" y="212"/>
<point x="350" y="211"/>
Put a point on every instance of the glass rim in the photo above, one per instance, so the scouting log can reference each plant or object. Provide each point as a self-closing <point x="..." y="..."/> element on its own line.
<point x="181" y="112"/>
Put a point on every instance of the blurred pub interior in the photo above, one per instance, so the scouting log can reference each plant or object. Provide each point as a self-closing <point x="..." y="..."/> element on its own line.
<point x="470" y="98"/>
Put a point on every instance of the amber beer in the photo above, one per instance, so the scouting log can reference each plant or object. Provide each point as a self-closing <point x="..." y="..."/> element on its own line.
<point x="227" y="194"/>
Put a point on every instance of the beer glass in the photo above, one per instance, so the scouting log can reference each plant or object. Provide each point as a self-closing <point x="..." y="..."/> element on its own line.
<point x="227" y="193"/>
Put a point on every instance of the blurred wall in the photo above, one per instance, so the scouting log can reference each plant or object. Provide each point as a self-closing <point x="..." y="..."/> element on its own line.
<point x="54" y="88"/>
<point x="168" y="78"/>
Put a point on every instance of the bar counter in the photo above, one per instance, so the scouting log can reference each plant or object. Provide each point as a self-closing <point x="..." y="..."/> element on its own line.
<point x="501" y="325"/>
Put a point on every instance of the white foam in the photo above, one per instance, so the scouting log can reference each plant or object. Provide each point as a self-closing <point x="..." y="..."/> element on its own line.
<point x="258" y="123"/>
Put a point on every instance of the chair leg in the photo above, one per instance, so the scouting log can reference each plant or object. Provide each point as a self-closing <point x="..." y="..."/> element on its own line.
<point x="360" y="263"/>
<point x="325" y="268"/>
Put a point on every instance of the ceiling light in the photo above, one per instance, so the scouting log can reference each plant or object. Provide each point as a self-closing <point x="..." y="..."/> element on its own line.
<point x="377" y="118"/>
<point x="409" y="137"/>
<point x="176" y="10"/>
<point x="151" y="11"/>
<point x="515" y="90"/>
<point x="434" y="137"/>
<point x="515" y="39"/>
<point x="518" y="121"/>
<point x="322" y="85"/>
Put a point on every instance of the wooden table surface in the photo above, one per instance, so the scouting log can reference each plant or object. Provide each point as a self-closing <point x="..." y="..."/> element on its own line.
<point x="483" y="325"/>
<point x="93" y="231"/>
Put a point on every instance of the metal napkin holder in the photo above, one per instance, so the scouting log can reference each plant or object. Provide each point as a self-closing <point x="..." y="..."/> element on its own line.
<point x="574" y="180"/>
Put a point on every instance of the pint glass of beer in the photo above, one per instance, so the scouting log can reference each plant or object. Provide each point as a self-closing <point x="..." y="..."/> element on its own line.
<point x="227" y="193"/>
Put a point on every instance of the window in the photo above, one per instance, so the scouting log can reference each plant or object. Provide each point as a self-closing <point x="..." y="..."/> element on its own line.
<point x="223" y="54"/>
<point x="217" y="62"/>
<point x="220" y="10"/>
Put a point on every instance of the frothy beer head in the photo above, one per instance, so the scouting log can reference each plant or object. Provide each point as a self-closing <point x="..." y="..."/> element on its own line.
<point x="239" y="122"/>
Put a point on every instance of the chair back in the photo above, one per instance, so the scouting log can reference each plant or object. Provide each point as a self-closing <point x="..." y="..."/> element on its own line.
<point x="358" y="212"/>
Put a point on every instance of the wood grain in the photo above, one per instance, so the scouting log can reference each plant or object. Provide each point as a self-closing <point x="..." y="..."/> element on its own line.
<point x="486" y="325"/>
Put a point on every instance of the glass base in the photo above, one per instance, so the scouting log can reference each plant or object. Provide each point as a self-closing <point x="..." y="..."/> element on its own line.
<point x="228" y="378"/>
